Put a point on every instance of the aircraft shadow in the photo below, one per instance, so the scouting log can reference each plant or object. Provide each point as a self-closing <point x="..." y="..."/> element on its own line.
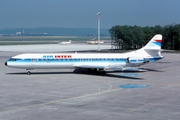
<point x="120" y="74"/>
<point x="108" y="74"/>
<point x="163" y="62"/>
<point x="148" y="69"/>
<point x="36" y="73"/>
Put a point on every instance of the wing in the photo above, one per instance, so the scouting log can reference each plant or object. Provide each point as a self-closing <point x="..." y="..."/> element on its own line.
<point x="90" y="66"/>
<point x="110" y="68"/>
<point x="102" y="67"/>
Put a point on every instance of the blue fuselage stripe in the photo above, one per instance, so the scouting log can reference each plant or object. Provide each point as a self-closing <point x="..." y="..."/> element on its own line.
<point x="122" y="60"/>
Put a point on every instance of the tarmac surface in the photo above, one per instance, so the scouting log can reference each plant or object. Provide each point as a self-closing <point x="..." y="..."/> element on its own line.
<point x="76" y="94"/>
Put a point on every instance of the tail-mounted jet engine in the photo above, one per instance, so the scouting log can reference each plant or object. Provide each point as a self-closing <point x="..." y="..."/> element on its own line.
<point x="136" y="60"/>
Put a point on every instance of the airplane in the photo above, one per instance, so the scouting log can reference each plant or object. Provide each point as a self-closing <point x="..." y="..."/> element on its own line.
<point x="99" y="62"/>
<point x="95" y="42"/>
<point x="65" y="43"/>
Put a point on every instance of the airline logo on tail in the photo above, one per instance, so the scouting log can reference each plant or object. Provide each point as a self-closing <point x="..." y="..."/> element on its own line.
<point x="155" y="42"/>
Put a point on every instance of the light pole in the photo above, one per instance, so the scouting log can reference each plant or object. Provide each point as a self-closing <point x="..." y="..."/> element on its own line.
<point x="98" y="30"/>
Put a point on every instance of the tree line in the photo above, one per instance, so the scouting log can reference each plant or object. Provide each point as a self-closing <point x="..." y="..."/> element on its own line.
<point x="134" y="37"/>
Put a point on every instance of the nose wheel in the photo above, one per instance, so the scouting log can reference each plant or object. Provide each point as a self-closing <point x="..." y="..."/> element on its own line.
<point x="28" y="73"/>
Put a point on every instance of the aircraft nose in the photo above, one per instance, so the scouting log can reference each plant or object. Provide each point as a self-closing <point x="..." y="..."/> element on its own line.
<point x="5" y="63"/>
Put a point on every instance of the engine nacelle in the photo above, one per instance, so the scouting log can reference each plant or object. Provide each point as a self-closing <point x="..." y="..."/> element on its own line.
<point x="135" y="60"/>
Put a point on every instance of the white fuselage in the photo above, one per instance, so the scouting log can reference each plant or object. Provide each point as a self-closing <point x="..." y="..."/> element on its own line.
<point x="81" y="60"/>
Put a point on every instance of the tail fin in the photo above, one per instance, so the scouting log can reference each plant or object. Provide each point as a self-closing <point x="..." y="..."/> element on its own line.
<point x="154" y="43"/>
<point x="153" y="47"/>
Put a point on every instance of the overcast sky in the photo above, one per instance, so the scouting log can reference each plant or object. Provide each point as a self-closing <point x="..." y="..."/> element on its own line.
<point x="83" y="13"/>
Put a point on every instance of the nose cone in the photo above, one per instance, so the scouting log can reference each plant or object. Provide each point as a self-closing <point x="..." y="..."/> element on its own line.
<point x="5" y="63"/>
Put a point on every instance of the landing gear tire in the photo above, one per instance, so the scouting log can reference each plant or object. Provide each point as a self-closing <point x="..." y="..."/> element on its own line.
<point x="96" y="71"/>
<point x="28" y="73"/>
<point x="103" y="72"/>
<point x="92" y="70"/>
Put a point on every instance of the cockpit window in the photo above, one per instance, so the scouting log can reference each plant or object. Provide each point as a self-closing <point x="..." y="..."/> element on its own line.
<point x="12" y="59"/>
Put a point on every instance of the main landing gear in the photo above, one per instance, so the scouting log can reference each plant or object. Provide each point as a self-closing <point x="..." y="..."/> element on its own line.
<point x="97" y="71"/>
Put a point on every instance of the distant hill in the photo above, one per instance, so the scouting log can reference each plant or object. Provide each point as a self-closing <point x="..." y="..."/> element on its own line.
<point x="53" y="31"/>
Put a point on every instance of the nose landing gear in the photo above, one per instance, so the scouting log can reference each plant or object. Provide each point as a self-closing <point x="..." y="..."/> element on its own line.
<point x="28" y="71"/>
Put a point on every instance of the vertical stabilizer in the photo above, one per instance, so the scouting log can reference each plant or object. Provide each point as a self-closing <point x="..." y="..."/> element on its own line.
<point x="153" y="47"/>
